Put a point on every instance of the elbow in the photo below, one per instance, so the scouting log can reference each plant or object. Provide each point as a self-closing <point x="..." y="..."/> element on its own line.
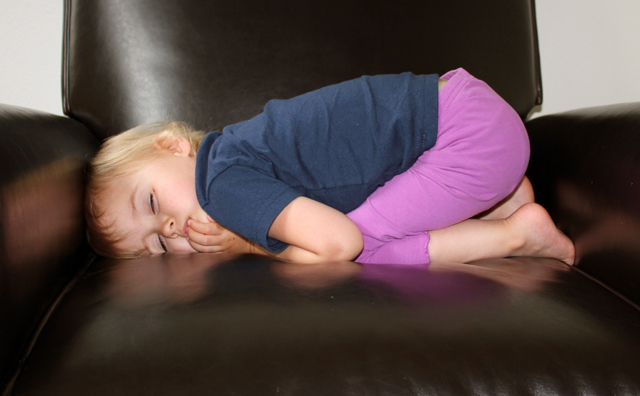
<point x="344" y="249"/>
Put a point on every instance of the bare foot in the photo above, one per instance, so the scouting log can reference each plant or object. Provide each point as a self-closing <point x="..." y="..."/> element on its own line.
<point x="541" y="237"/>
<point x="521" y="195"/>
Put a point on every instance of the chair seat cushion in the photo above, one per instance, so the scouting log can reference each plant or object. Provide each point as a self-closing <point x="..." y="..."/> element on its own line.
<point x="198" y="324"/>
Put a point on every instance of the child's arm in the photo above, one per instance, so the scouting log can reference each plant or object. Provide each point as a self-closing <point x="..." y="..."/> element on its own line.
<point x="315" y="233"/>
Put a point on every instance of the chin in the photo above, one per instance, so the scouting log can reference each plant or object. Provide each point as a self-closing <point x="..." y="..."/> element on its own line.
<point x="182" y="246"/>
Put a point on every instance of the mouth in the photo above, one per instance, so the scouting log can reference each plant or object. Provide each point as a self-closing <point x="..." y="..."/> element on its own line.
<point x="185" y="227"/>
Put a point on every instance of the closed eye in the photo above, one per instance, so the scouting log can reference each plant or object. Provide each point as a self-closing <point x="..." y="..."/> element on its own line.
<point x="152" y="203"/>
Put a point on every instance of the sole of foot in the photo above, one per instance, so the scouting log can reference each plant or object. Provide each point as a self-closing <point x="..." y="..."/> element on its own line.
<point x="540" y="235"/>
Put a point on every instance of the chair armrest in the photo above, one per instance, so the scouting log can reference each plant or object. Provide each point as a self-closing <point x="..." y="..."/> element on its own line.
<point x="585" y="167"/>
<point x="41" y="222"/>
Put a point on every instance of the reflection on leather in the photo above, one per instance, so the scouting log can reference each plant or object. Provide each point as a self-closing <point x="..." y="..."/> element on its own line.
<point x="42" y="220"/>
<point x="178" y="279"/>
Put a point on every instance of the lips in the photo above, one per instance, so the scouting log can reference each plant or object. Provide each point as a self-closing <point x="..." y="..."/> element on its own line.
<point x="185" y="227"/>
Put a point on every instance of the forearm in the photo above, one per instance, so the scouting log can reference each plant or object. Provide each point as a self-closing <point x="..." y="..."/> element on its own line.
<point x="316" y="233"/>
<point x="299" y="255"/>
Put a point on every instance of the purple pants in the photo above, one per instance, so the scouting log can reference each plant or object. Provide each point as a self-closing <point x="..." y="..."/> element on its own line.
<point x="480" y="157"/>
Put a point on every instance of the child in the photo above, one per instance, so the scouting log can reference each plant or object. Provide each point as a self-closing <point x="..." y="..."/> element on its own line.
<point x="409" y="159"/>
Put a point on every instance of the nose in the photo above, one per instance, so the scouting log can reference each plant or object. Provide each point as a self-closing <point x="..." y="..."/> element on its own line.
<point x="170" y="228"/>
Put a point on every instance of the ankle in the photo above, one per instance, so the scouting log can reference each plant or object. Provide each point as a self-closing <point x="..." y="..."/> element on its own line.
<point x="516" y="240"/>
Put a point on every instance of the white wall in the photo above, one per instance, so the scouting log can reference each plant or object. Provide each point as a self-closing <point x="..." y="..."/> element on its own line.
<point x="590" y="52"/>
<point x="30" y="53"/>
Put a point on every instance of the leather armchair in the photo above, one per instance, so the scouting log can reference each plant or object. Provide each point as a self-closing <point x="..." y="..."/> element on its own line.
<point x="77" y="323"/>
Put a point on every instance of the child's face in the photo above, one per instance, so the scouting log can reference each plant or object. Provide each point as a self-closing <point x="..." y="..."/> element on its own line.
<point x="152" y="206"/>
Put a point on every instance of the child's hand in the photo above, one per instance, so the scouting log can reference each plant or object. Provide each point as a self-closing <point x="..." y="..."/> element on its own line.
<point x="214" y="238"/>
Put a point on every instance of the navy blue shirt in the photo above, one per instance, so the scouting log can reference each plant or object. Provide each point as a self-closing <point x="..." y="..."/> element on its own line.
<point x="335" y="145"/>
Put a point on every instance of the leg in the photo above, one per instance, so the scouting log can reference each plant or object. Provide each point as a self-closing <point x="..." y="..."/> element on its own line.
<point x="521" y="195"/>
<point x="529" y="231"/>
<point x="479" y="158"/>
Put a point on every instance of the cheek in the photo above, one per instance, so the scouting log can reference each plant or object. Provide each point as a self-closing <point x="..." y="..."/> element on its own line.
<point x="181" y="198"/>
<point x="180" y="245"/>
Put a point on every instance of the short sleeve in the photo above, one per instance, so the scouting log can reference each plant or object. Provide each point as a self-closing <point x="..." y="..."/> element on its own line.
<point x="247" y="200"/>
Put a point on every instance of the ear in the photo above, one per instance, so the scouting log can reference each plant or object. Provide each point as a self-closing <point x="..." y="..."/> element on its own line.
<point x="176" y="145"/>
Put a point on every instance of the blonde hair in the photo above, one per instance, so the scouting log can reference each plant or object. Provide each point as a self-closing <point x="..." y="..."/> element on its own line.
<point x="119" y="156"/>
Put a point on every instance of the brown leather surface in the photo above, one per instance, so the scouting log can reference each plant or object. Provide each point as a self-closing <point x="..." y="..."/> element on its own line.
<point x="41" y="182"/>
<point x="214" y="63"/>
<point x="585" y="167"/>
<point x="199" y="324"/>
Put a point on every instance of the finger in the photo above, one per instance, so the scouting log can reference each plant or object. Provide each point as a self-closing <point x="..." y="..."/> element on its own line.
<point x="203" y="239"/>
<point x="204" y="248"/>
<point x="205" y="228"/>
<point x="211" y="220"/>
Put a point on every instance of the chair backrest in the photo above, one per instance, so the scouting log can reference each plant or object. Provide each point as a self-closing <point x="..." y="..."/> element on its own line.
<point x="213" y="63"/>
